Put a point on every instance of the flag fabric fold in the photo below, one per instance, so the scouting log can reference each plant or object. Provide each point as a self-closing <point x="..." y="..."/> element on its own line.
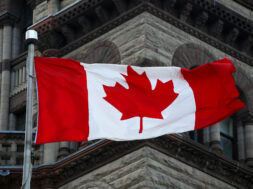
<point x="80" y="102"/>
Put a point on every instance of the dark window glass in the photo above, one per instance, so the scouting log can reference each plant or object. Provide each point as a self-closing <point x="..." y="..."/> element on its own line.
<point x="19" y="161"/>
<point x="5" y="157"/>
<point x="20" y="121"/>
<point x="197" y="136"/>
<point x="227" y="127"/>
<point x="227" y="146"/>
<point x="228" y="138"/>
<point x="20" y="148"/>
<point x="6" y="147"/>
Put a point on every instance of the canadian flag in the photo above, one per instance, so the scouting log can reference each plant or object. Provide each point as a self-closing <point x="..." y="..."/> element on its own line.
<point x="80" y="102"/>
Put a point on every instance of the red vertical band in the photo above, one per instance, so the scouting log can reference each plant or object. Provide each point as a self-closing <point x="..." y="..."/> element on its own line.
<point x="214" y="91"/>
<point x="63" y="100"/>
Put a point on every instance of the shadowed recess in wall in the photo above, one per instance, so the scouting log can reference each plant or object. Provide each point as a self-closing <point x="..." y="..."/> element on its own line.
<point x="99" y="52"/>
<point x="191" y="55"/>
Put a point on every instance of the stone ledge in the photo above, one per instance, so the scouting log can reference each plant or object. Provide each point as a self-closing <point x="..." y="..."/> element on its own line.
<point x="182" y="149"/>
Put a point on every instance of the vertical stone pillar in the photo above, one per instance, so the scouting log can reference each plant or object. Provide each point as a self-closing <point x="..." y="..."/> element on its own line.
<point x="240" y="140"/>
<point x="24" y="75"/>
<point x="15" y="50"/>
<point x="73" y="146"/>
<point x="215" y="138"/>
<point x="12" y="117"/>
<point x="249" y="140"/>
<point x="1" y="54"/>
<point x="5" y="84"/>
<point x="13" y="153"/>
<point x="12" y="80"/>
<point x="1" y="43"/>
<point x="16" y="78"/>
<point x="20" y="74"/>
<point x="63" y="150"/>
<point x="53" y="6"/>
<point x="206" y="136"/>
<point x="50" y="152"/>
<point x="16" y="38"/>
<point x="12" y="121"/>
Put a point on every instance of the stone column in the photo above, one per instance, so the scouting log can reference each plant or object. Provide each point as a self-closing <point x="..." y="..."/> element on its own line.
<point x="5" y="84"/>
<point x="13" y="153"/>
<point x="16" y="38"/>
<point x="215" y="138"/>
<point x="12" y="121"/>
<point x="1" y="54"/>
<point x="73" y="146"/>
<point x="1" y="43"/>
<point x="63" y="150"/>
<point x="206" y="136"/>
<point x="50" y="152"/>
<point x="14" y="53"/>
<point x="53" y="6"/>
<point x="249" y="140"/>
<point x="240" y="140"/>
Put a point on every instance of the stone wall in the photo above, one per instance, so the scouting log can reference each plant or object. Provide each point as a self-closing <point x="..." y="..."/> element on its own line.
<point x="148" y="37"/>
<point x="146" y="168"/>
<point x="40" y="12"/>
<point x="65" y="3"/>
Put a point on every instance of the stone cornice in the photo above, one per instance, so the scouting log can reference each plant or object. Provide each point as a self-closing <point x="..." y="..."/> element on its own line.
<point x="12" y="135"/>
<point x="224" y="13"/>
<point x="217" y="26"/>
<point x="19" y="59"/>
<point x="246" y="3"/>
<point x="104" y="152"/>
<point x="7" y="17"/>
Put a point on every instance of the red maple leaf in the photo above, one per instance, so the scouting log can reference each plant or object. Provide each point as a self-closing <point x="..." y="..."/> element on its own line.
<point x="140" y="100"/>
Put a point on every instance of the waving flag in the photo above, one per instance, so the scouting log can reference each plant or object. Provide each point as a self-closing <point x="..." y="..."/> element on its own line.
<point x="80" y="102"/>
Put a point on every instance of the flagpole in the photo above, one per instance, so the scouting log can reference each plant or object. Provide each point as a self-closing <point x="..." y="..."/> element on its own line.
<point x="31" y="38"/>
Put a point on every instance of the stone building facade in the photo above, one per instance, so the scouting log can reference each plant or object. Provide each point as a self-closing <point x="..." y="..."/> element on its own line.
<point x="184" y="33"/>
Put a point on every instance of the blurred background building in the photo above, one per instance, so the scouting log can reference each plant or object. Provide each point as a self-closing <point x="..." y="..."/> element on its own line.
<point x="184" y="33"/>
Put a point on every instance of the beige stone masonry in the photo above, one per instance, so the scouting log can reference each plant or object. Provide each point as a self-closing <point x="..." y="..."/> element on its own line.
<point x="148" y="37"/>
<point x="147" y="168"/>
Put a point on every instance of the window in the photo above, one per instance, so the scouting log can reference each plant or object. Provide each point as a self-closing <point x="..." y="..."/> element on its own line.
<point x="197" y="136"/>
<point x="228" y="138"/>
<point x="20" y="121"/>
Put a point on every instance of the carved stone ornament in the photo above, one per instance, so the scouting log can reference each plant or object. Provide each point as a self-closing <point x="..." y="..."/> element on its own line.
<point x="191" y="55"/>
<point x="100" y="52"/>
<point x="51" y="53"/>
